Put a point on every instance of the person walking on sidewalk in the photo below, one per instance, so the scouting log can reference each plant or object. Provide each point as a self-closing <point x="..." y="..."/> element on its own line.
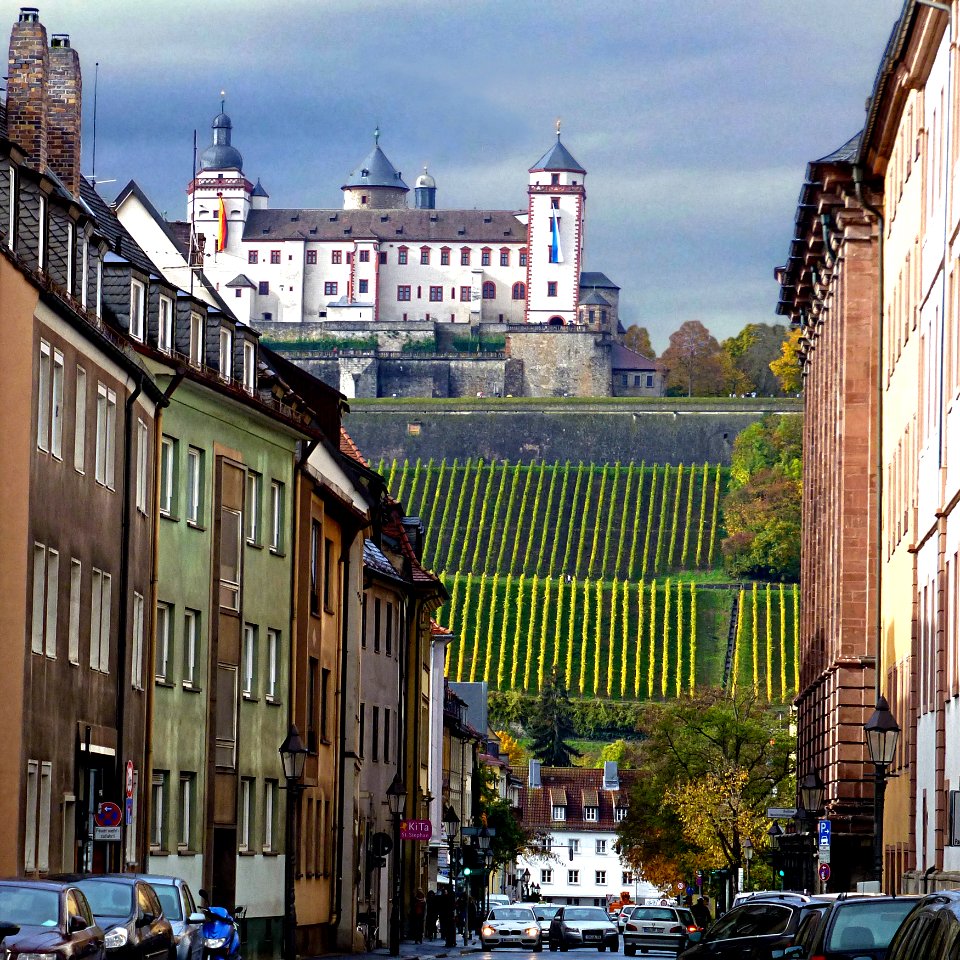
<point x="419" y="915"/>
<point x="447" y="917"/>
<point x="430" y="917"/>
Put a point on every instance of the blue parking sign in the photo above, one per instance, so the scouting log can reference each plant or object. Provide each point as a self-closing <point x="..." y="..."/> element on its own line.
<point x="823" y="833"/>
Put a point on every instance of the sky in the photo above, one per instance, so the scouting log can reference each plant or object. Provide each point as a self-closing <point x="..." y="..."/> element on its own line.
<point x="694" y="120"/>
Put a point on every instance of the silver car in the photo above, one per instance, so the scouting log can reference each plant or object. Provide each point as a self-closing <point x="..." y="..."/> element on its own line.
<point x="180" y="909"/>
<point x="511" y="927"/>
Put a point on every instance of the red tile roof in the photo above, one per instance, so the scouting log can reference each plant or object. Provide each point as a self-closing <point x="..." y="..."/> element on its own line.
<point x="580" y="786"/>
<point x="349" y="449"/>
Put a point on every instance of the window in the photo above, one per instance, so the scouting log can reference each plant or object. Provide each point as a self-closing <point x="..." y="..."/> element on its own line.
<point x="30" y="840"/>
<point x="248" y="657"/>
<point x="165" y="325"/>
<point x="249" y="366"/>
<point x="402" y="255"/>
<point x="546" y="876"/>
<point x="162" y="653"/>
<point x="620" y="814"/>
<point x="364" y="286"/>
<point x="315" y="567"/>
<point x="137" y="631"/>
<point x="196" y="339"/>
<point x="191" y="646"/>
<point x="226" y="354"/>
<point x="403" y="292"/>
<point x="46" y="587"/>
<point x="600" y="877"/>
<point x="551" y="288"/>
<point x="519" y="291"/>
<point x="573" y="877"/>
<point x="254" y="493"/>
<point x="382" y="257"/>
<point x="485" y="257"/>
<point x="253" y="256"/>
<point x="137" y="304"/>
<point x="591" y="813"/>
<point x="464" y="256"/>
<point x="270" y="815"/>
<point x="80" y="422"/>
<point x="554" y="178"/>
<point x="489" y="290"/>
<point x="226" y="716"/>
<point x="142" y="465"/>
<point x="364" y="256"/>
<point x="185" y="832"/>
<point x="444" y="256"/>
<point x="389" y="635"/>
<point x="73" y="630"/>
<point x="43" y="398"/>
<point x="194" y="484"/>
<point x="330" y="288"/>
<point x="325" y="706"/>
<point x="274" y="256"/>
<point x="101" y="588"/>
<point x="168" y="447"/>
<point x="361" y="729"/>
<point x="376" y="625"/>
<point x="465" y="295"/>
<point x="425" y="255"/>
<point x="627" y="879"/>
<point x="53" y="597"/>
<point x="329" y="576"/>
<point x="601" y="847"/>
<point x="276" y="516"/>
<point x="311" y="256"/>
<point x="559" y="813"/>
<point x="649" y="379"/>
<point x="375" y="736"/>
<point x="106" y="434"/>
<point x="263" y="288"/>
<point x="386" y="735"/>
<point x="336" y="256"/>
<point x="313" y="681"/>
<point x="554" y="203"/>
<point x="574" y="846"/>
<point x="56" y="407"/>
<point x="504" y="258"/>
<point x="231" y="527"/>
<point x="158" y="795"/>
<point x="273" y="663"/>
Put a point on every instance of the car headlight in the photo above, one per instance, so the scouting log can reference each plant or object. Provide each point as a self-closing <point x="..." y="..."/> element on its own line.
<point x="488" y="931"/>
<point x="573" y="929"/>
<point x="117" y="937"/>
<point x="532" y="931"/>
<point x="215" y="943"/>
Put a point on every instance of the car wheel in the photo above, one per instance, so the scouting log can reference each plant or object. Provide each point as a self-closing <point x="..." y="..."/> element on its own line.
<point x="563" y="946"/>
<point x="538" y="948"/>
<point x="601" y="948"/>
<point x="629" y="951"/>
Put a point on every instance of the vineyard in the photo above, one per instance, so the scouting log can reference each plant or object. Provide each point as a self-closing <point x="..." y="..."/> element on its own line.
<point x="611" y="573"/>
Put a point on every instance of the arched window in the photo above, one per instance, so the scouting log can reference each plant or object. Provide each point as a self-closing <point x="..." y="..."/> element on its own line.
<point x="556" y="322"/>
<point x="489" y="290"/>
<point x="519" y="291"/>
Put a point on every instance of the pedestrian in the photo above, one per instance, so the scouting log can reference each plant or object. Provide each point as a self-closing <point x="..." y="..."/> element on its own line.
<point x="701" y="913"/>
<point x="447" y="917"/>
<point x="419" y="915"/>
<point x="430" y="917"/>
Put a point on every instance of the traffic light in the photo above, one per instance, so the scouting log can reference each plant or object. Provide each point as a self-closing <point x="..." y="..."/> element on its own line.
<point x="467" y="871"/>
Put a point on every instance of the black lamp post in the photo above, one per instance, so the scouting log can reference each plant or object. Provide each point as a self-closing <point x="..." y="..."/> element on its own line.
<point x="397" y="797"/>
<point x="882" y="732"/>
<point x="811" y="790"/>
<point x="525" y="884"/>
<point x="451" y="826"/>
<point x="773" y="839"/>
<point x="747" y="848"/>
<point x="293" y="756"/>
<point x="486" y="855"/>
<point x="535" y="892"/>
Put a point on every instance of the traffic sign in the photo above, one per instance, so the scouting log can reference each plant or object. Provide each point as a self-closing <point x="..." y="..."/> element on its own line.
<point x="823" y="833"/>
<point x="129" y="778"/>
<point x="681" y="886"/>
<point x="823" y="854"/>
<point x="108" y="815"/>
<point x="128" y="811"/>
<point x="416" y="829"/>
<point x="381" y="844"/>
<point x="781" y="813"/>
<point x="824" y="872"/>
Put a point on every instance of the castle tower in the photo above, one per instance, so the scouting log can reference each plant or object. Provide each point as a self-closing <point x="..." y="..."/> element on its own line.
<point x="375" y="184"/>
<point x="425" y="192"/>
<point x="557" y="198"/>
<point x="220" y="178"/>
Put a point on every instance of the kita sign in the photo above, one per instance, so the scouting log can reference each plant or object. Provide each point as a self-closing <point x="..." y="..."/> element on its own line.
<point x="416" y="830"/>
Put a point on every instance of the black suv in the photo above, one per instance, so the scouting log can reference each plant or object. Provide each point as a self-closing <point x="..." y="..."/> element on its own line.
<point x="758" y="929"/>
<point x="931" y="931"/>
<point x="835" y="929"/>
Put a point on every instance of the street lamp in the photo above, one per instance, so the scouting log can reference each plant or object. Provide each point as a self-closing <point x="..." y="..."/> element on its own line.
<point x="451" y="826"/>
<point x="397" y="798"/>
<point x="535" y="892"/>
<point x="747" y="848"/>
<point x="882" y="732"/>
<point x="811" y="789"/>
<point x="525" y="884"/>
<point x="486" y="855"/>
<point x="293" y="756"/>
<point x="773" y="839"/>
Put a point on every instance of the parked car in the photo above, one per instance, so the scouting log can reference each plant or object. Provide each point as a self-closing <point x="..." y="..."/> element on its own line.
<point x="129" y="911"/>
<point x="659" y="928"/>
<point x="498" y="900"/>
<point x="514" y="926"/>
<point x="49" y="919"/>
<point x="180" y="908"/>
<point x="582" y="927"/>
<point x="860" y="926"/>
<point x="931" y="931"/>
<point x="759" y="929"/>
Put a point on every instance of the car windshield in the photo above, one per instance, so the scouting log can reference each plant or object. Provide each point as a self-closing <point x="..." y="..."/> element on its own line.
<point x="752" y="920"/>
<point x="511" y="913"/>
<point x="545" y="913"/>
<point x="653" y="913"/>
<point x="586" y="913"/>
<point x="108" y="899"/>
<point x="29" y="907"/>
<point x="860" y="925"/>
<point x="169" y="899"/>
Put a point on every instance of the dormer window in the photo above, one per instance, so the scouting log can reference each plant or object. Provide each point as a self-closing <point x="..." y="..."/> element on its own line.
<point x="558" y="812"/>
<point x="591" y="813"/>
<point x="165" y="327"/>
<point x="226" y="354"/>
<point x="137" y="305"/>
<point x="196" y="339"/>
<point x="620" y="814"/>
<point x="249" y="366"/>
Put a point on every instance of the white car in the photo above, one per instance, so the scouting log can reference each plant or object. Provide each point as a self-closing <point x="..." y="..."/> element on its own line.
<point x="511" y="926"/>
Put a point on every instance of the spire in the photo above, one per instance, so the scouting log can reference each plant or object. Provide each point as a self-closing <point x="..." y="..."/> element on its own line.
<point x="376" y="135"/>
<point x="558" y="129"/>
<point x="223" y="102"/>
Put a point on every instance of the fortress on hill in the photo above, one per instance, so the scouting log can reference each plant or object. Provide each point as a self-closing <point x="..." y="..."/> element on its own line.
<point x="379" y="298"/>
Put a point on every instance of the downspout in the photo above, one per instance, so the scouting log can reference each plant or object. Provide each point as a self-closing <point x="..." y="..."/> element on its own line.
<point x="867" y="205"/>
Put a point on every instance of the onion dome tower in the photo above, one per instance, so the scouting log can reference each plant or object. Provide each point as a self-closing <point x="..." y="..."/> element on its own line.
<point x="375" y="184"/>
<point x="425" y="191"/>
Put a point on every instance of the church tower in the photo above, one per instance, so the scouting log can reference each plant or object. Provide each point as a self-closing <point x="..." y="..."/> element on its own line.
<point x="219" y="196"/>
<point x="375" y="184"/>
<point x="557" y="197"/>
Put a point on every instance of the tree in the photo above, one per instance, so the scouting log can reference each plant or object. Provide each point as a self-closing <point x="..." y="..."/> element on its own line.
<point x="786" y="367"/>
<point x="551" y="724"/>
<point x="696" y="362"/>
<point x="638" y="340"/>
<point x="512" y="748"/>
<point x="751" y="352"/>
<point x="510" y="839"/>
<point x="712" y="764"/>
<point x="626" y="754"/>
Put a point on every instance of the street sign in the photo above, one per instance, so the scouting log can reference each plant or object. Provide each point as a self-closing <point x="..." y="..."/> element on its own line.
<point x="681" y="886"/>
<point x="823" y="854"/>
<point x="781" y="813"/>
<point x="824" y="872"/>
<point x="823" y="833"/>
<point x="416" y="829"/>
<point x="128" y="811"/>
<point x="381" y="844"/>
<point x="108" y="815"/>
<point x="129" y="779"/>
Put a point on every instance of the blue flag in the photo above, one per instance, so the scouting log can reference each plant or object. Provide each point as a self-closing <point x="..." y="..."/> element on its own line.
<point x="556" y="254"/>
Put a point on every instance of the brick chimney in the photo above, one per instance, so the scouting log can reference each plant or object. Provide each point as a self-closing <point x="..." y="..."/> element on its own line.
<point x="28" y="67"/>
<point x="63" y="112"/>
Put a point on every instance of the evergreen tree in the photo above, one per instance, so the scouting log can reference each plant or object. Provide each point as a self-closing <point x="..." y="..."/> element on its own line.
<point x="551" y="724"/>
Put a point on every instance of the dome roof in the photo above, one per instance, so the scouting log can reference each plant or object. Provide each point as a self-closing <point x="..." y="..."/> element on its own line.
<point x="425" y="180"/>
<point x="221" y="156"/>
<point x="375" y="170"/>
<point x="558" y="157"/>
<point x="222" y="120"/>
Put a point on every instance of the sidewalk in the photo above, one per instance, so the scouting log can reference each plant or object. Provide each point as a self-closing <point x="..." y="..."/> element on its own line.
<point x="410" y="951"/>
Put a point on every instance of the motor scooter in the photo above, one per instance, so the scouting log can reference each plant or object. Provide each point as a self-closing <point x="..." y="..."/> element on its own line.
<point x="220" y="933"/>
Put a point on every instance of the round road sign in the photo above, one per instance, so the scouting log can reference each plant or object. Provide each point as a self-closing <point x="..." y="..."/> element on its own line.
<point x="824" y="872"/>
<point x="108" y="815"/>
